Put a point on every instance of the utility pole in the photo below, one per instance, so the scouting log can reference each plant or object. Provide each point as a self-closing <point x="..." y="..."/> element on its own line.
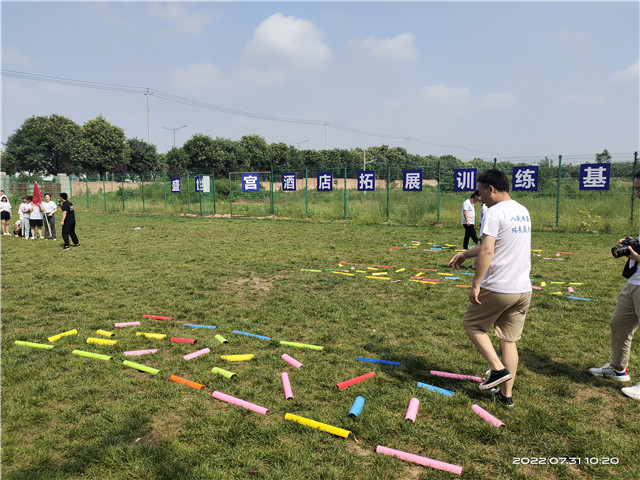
<point x="148" y="118"/>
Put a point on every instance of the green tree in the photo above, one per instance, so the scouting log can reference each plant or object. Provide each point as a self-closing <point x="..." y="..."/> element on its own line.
<point x="143" y="156"/>
<point x="108" y="146"/>
<point x="52" y="144"/>
<point x="604" y="157"/>
<point x="201" y="152"/>
<point x="176" y="161"/>
<point x="254" y="153"/>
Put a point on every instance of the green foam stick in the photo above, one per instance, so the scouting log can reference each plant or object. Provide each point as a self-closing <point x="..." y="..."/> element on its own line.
<point x="142" y="368"/>
<point x="301" y="345"/>
<point x="221" y="339"/>
<point x="224" y="373"/>
<point x="82" y="353"/>
<point x="34" y="345"/>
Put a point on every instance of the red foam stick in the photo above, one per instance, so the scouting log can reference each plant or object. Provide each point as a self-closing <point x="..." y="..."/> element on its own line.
<point x="348" y="383"/>
<point x="425" y="269"/>
<point x="184" y="340"/>
<point x="157" y="317"/>
<point x="382" y="266"/>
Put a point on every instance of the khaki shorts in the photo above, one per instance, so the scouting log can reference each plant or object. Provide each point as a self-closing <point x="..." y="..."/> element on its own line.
<point x="504" y="311"/>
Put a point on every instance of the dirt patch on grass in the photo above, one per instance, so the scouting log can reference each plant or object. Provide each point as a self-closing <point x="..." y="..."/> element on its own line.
<point x="253" y="286"/>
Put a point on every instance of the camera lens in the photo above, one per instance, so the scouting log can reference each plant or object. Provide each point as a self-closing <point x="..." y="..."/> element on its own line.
<point x="619" y="251"/>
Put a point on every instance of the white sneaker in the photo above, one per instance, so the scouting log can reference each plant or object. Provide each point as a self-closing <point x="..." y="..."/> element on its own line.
<point x="633" y="392"/>
<point x="607" y="372"/>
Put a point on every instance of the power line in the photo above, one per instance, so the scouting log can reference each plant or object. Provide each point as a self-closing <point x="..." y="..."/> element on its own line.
<point x="218" y="108"/>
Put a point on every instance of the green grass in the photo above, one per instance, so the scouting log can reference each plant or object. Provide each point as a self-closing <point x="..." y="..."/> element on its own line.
<point x="70" y="417"/>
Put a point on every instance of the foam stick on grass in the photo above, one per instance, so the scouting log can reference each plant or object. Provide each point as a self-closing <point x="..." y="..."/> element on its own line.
<point x="237" y="358"/>
<point x="309" y="270"/>
<point x="157" y="317"/>
<point x="223" y="372"/>
<point x="63" y="334"/>
<point x="126" y="324"/>
<point x="137" y="353"/>
<point x="356" y="408"/>
<point x="291" y="361"/>
<point x="157" y="336"/>
<point x="221" y="339"/>
<point x="439" y="390"/>
<point x="353" y="381"/>
<point x="142" y="368"/>
<point x="375" y="360"/>
<point x="427" y="462"/>
<point x="193" y="355"/>
<point x="239" y="402"/>
<point x="288" y="393"/>
<point x="582" y="298"/>
<point x="33" y="345"/>
<point x="194" y="325"/>
<point x="104" y="333"/>
<point x="82" y="353"/>
<point x="341" y="432"/>
<point x="412" y="410"/>
<point x="188" y="383"/>
<point x="261" y="337"/>
<point x="302" y="345"/>
<point x="183" y="340"/>
<point x="101" y="341"/>
<point x="457" y="376"/>
<point x="486" y="416"/>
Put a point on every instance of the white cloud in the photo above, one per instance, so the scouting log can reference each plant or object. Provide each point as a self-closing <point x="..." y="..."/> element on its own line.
<point x="184" y="22"/>
<point x="581" y="100"/>
<point x="198" y="77"/>
<point x="629" y="74"/>
<point x="497" y="101"/>
<point x="282" y="44"/>
<point x="442" y="96"/>
<point x="399" y="47"/>
<point x="13" y="59"/>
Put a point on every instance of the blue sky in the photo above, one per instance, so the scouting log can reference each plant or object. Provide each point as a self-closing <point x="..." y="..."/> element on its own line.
<point x="472" y="79"/>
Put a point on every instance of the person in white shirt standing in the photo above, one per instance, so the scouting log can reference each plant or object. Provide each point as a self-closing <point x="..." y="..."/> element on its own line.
<point x="25" y="211"/>
<point x="469" y="219"/>
<point x="50" y="208"/>
<point x="35" y="219"/>
<point x="501" y="289"/>
<point x="5" y="213"/>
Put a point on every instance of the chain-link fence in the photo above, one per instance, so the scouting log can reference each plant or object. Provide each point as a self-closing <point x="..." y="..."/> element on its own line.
<point x="338" y="192"/>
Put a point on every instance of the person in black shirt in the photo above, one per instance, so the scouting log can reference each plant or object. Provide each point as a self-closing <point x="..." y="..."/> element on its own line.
<point x="68" y="222"/>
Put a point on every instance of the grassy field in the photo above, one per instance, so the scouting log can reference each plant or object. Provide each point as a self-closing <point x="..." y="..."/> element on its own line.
<point x="70" y="417"/>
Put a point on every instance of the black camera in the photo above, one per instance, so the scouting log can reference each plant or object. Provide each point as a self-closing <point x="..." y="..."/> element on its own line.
<point x="624" y="248"/>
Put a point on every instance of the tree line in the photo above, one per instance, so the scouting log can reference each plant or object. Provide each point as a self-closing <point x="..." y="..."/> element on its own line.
<point x="55" y="144"/>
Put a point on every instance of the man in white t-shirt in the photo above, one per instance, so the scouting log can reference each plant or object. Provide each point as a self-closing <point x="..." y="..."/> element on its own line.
<point x="501" y="289"/>
<point x="49" y="208"/>
<point x="469" y="220"/>
<point x="625" y="321"/>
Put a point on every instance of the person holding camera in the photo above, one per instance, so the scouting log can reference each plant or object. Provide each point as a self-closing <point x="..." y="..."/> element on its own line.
<point x="626" y="316"/>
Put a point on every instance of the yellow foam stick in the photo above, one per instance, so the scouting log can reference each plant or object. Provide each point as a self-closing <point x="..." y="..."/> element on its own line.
<point x="341" y="432"/>
<point x="556" y="293"/>
<point x="372" y="268"/>
<point x="157" y="336"/>
<point x="444" y="274"/>
<point x="448" y="245"/>
<point x="361" y="271"/>
<point x="104" y="333"/>
<point x="557" y="283"/>
<point x="459" y="250"/>
<point x="537" y="251"/>
<point x="400" y="270"/>
<point x="237" y="358"/>
<point x="344" y="273"/>
<point x="379" y="278"/>
<point x="379" y="273"/>
<point x="63" y="334"/>
<point x="425" y="281"/>
<point x="101" y="341"/>
<point x="543" y="284"/>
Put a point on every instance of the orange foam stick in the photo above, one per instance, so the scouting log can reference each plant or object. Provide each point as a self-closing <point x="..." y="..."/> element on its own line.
<point x="157" y="317"/>
<point x="348" y="383"/>
<point x="463" y="286"/>
<point x="183" y="340"/>
<point x="186" y="382"/>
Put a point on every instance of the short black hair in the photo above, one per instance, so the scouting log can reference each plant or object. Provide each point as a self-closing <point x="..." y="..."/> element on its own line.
<point x="496" y="178"/>
<point x="475" y="195"/>
<point x="64" y="196"/>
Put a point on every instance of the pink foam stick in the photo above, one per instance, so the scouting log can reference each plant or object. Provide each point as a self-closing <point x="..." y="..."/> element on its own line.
<point x="486" y="416"/>
<point x="412" y="411"/>
<point x="457" y="376"/>
<point x="241" y="403"/>
<point x="126" y="324"/>
<point x="536" y="288"/>
<point x="570" y="290"/>
<point x="427" y="462"/>
<point x="291" y="360"/>
<point x="135" y="353"/>
<point x="190" y="356"/>
<point x="287" y="386"/>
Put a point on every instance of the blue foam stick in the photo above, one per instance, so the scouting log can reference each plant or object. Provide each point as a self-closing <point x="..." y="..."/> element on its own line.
<point x="468" y="273"/>
<point x="192" y="325"/>
<point x="587" y="299"/>
<point x="452" y="278"/>
<point x="356" y="408"/>
<point x="375" y="360"/>
<point x="252" y="335"/>
<point x="435" y="389"/>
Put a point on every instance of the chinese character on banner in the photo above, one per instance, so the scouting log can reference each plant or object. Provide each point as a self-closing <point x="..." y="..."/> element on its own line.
<point x="325" y="181"/>
<point x="594" y="176"/>
<point x="464" y="180"/>
<point x="289" y="182"/>
<point x="203" y="184"/>
<point x="250" y="182"/>
<point x="175" y="185"/>
<point x="366" y="180"/>
<point x="412" y="180"/>
<point x="525" y="178"/>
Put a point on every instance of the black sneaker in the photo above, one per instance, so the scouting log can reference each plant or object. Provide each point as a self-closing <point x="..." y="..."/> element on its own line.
<point x="66" y="248"/>
<point x="508" y="401"/>
<point x="76" y="244"/>
<point x="495" y="378"/>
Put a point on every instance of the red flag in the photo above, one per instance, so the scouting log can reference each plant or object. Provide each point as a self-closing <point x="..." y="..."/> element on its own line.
<point x="37" y="196"/>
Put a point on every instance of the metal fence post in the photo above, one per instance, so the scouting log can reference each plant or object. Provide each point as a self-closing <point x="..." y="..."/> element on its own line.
<point x="164" y="188"/>
<point x="438" y="195"/>
<point x="86" y="182"/>
<point x="558" y="194"/>
<point x="306" y="190"/>
<point x="122" y="187"/>
<point x="142" y="185"/>
<point x="388" y="189"/>
<point x="189" y="192"/>
<point x="213" y="179"/>
<point x="345" y="192"/>
<point x="104" y="194"/>
<point x="273" y="207"/>
<point x="633" y="191"/>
